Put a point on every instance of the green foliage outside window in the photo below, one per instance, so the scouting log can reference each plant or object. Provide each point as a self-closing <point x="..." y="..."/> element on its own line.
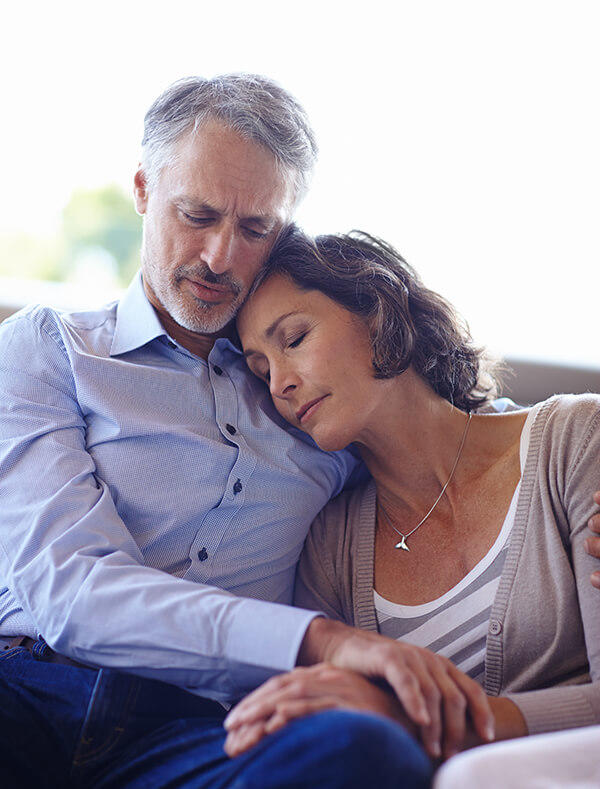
<point x="99" y="227"/>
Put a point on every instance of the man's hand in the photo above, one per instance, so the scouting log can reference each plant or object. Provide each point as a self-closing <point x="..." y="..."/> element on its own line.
<point x="592" y="544"/>
<point x="434" y="694"/>
<point x="302" y="692"/>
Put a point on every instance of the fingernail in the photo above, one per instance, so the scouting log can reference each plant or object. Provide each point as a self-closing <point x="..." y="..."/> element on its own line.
<point x="490" y="732"/>
<point x="587" y="545"/>
<point x="436" y="750"/>
<point x="228" y="721"/>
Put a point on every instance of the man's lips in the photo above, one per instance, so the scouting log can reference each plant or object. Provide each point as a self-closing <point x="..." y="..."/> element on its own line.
<point x="308" y="409"/>
<point x="208" y="292"/>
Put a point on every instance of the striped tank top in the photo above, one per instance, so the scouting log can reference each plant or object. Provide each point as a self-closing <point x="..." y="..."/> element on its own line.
<point x="455" y="625"/>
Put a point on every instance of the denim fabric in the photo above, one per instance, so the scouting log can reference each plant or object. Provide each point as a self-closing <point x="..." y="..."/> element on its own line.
<point x="62" y="726"/>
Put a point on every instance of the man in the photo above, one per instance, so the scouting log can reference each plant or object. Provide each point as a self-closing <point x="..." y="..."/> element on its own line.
<point x="154" y="504"/>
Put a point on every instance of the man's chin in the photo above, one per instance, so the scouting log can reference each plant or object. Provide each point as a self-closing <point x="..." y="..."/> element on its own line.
<point x="205" y="324"/>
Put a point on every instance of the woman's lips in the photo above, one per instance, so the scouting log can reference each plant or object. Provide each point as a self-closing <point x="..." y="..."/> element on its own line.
<point x="208" y="292"/>
<point x="308" y="409"/>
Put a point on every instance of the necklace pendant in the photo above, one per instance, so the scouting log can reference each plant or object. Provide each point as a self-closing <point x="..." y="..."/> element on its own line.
<point x="402" y="544"/>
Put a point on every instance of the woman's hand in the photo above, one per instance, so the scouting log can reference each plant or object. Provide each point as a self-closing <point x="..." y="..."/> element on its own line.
<point x="302" y="692"/>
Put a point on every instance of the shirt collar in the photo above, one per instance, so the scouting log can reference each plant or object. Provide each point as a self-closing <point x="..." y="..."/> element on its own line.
<point x="137" y="323"/>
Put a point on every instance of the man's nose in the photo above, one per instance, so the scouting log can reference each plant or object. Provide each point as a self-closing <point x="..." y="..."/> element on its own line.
<point x="219" y="250"/>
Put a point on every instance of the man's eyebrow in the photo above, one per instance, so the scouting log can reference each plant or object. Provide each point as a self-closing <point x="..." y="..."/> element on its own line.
<point x="270" y="331"/>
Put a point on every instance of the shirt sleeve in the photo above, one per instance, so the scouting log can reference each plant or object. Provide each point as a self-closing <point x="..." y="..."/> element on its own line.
<point x="76" y="570"/>
<point x="575" y="705"/>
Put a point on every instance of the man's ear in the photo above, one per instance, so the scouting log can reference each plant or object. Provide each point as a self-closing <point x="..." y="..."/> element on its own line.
<point x="140" y="191"/>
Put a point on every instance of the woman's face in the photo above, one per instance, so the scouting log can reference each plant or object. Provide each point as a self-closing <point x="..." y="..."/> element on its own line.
<point x="315" y="356"/>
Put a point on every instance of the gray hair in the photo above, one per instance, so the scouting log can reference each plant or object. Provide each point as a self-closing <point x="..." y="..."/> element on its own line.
<point x="254" y="106"/>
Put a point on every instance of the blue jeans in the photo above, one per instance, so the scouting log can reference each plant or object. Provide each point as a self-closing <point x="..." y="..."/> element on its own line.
<point x="62" y="726"/>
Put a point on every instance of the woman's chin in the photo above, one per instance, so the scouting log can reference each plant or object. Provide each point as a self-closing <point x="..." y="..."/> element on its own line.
<point x="328" y="442"/>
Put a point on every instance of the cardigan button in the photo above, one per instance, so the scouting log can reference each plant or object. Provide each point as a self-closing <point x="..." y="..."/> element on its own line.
<point x="495" y="627"/>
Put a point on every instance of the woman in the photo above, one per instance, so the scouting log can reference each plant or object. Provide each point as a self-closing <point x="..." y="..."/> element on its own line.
<point x="468" y="539"/>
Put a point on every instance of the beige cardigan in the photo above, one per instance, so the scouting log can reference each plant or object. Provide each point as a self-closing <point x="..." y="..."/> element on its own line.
<point x="543" y="642"/>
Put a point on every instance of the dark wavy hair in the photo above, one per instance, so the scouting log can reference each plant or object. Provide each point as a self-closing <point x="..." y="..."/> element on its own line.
<point x="409" y="324"/>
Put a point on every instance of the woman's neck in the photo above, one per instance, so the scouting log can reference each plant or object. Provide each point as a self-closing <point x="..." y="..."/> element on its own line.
<point x="411" y="448"/>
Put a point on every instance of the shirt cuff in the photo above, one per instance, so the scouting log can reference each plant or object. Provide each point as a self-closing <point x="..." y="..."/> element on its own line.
<point x="264" y="639"/>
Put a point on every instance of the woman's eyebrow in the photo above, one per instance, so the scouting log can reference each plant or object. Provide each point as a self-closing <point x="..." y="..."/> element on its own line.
<point x="269" y="332"/>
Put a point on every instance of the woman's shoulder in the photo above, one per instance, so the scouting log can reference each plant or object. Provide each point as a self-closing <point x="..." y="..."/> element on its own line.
<point x="567" y="426"/>
<point x="574" y="412"/>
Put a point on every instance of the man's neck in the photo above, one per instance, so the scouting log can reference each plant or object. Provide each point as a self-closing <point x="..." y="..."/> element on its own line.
<point x="198" y="344"/>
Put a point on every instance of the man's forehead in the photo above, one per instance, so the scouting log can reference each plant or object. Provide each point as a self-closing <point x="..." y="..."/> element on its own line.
<point x="215" y="152"/>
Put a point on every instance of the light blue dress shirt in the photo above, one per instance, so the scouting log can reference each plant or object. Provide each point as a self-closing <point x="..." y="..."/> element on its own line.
<point x="152" y="505"/>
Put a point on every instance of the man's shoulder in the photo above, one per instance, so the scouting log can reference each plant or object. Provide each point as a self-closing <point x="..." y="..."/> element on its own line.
<point x="47" y="317"/>
<point x="36" y="323"/>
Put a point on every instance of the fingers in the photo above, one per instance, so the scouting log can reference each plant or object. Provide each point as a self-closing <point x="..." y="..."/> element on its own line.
<point x="594" y="521"/>
<point x="300" y="684"/>
<point x="408" y="686"/>
<point x="477" y="703"/>
<point x="592" y="544"/>
<point x="260" y="704"/>
<point x="454" y="705"/>
<point x="289" y="711"/>
<point x="244" y="738"/>
<point x="432" y="688"/>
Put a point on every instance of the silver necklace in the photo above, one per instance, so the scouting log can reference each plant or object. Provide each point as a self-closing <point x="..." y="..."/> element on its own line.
<point x="402" y="544"/>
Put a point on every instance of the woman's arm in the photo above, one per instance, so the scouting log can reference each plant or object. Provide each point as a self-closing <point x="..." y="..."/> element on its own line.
<point x="568" y="642"/>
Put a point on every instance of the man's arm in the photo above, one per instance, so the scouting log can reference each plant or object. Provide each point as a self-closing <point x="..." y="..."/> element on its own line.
<point x="74" y="566"/>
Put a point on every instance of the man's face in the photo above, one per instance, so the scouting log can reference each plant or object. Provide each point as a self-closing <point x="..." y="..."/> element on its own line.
<point x="210" y="220"/>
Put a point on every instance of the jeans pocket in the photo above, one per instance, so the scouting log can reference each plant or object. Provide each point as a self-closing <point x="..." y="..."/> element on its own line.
<point x="12" y="652"/>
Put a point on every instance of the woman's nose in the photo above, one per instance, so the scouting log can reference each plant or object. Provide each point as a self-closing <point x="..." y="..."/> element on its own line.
<point x="282" y="382"/>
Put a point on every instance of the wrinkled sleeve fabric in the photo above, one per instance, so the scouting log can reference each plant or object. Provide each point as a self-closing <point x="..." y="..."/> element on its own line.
<point x="76" y="569"/>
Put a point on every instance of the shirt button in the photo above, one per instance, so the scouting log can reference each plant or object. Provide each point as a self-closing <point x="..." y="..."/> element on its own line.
<point x="237" y="486"/>
<point x="217" y="369"/>
<point x="230" y="429"/>
<point x="203" y="554"/>
<point x="495" y="627"/>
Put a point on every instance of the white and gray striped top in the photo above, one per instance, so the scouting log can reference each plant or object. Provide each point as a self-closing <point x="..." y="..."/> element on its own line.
<point x="455" y="625"/>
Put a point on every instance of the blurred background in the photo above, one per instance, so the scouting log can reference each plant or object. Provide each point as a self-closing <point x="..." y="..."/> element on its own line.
<point x="464" y="132"/>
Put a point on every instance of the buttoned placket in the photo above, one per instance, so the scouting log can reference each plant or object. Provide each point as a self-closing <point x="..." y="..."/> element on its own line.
<point x="216" y="521"/>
